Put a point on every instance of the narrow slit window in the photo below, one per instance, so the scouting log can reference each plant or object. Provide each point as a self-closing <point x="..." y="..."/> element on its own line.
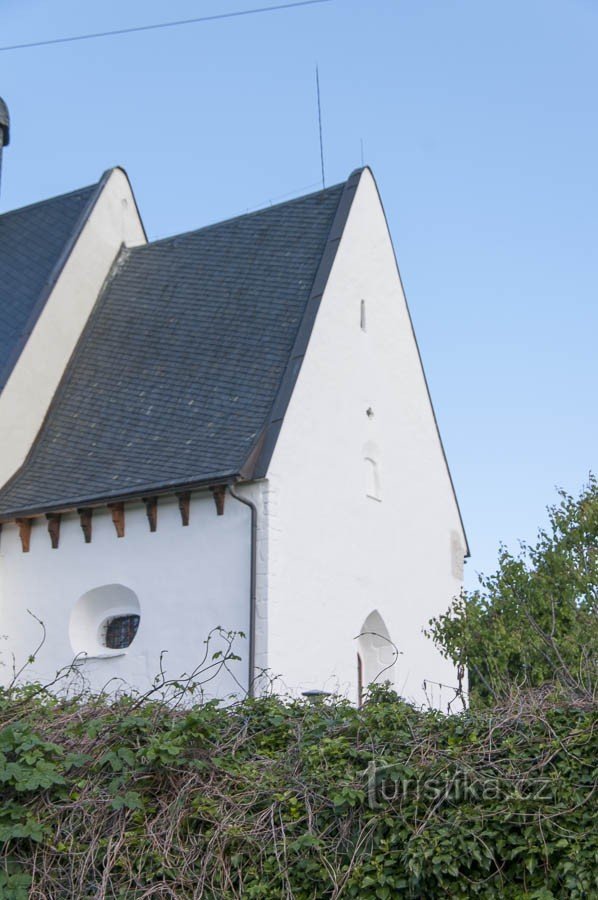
<point x="120" y="631"/>
<point x="372" y="478"/>
<point x="362" y="316"/>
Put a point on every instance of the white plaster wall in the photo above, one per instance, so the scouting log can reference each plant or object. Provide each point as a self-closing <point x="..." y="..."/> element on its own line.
<point x="27" y="394"/>
<point x="188" y="580"/>
<point x="335" y="554"/>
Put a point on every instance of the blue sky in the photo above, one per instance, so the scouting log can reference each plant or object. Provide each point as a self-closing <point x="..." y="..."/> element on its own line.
<point x="479" y="122"/>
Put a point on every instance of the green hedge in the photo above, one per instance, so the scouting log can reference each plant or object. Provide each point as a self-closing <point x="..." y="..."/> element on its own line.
<point x="272" y="799"/>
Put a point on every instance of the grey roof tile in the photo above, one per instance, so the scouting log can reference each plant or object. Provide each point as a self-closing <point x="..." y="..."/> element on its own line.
<point x="33" y="243"/>
<point x="178" y="369"/>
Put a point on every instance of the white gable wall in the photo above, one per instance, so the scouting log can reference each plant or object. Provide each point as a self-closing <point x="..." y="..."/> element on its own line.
<point x="28" y="393"/>
<point x="187" y="580"/>
<point x="335" y="553"/>
<point x="357" y="520"/>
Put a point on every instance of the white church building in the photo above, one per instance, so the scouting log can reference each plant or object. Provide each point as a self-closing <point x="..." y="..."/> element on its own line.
<point x="230" y="427"/>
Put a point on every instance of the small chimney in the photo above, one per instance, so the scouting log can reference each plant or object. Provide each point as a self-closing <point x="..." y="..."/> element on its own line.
<point x="4" y="130"/>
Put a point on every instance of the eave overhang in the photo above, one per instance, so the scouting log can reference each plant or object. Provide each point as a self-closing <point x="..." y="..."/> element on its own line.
<point x="138" y="494"/>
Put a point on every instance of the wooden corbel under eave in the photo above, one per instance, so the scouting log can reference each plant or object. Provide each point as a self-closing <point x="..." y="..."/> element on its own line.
<point x="54" y="529"/>
<point x="25" y="533"/>
<point x="85" y="516"/>
<point x="118" y="517"/>
<point x="151" y="510"/>
<point x="184" y="504"/>
<point x="219" y="492"/>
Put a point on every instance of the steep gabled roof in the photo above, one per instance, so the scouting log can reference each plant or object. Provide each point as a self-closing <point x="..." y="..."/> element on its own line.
<point x="185" y="368"/>
<point x="35" y="242"/>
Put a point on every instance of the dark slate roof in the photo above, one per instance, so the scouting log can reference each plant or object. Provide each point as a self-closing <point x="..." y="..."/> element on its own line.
<point x="34" y="244"/>
<point x="184" y="370"/>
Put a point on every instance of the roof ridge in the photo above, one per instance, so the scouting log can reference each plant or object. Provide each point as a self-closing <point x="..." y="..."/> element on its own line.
<point x="258" y="459"/>
<point x="247" y="215"/>
<point x="19" y="209"/>
<point x="95" y="191"/>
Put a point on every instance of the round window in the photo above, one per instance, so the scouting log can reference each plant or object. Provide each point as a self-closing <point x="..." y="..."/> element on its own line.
<point x="104" y="621"/>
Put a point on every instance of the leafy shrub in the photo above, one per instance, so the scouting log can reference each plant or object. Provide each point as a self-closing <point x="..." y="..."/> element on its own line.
<point x="273" y="799"/>
<point x="536" y="619"/>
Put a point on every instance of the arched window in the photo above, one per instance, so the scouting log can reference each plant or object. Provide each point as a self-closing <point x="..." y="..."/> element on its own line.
<point x="376" y="654"/>
<point x="104" y="621"/>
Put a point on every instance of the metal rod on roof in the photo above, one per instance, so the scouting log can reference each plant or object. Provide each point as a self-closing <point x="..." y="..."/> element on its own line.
<point x="320" y="127"/>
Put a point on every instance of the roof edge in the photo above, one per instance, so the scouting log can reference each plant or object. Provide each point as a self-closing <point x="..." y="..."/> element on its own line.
<point x="41" y="301"/>
<point x="138" y="493"/>
<point x="258" y="460"/>
<point x="246" y="215"/>
<point x="122" y="169"/>
<point x="423" y="371"/>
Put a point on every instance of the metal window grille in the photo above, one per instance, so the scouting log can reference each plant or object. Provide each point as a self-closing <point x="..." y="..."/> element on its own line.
<point x="120" y="631"/>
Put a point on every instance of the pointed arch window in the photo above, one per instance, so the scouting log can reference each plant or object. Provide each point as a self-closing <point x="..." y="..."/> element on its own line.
<point x="376" y="654"/>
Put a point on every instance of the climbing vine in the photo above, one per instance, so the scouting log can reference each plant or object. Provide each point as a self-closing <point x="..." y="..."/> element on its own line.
<point x="268" y="799"/>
